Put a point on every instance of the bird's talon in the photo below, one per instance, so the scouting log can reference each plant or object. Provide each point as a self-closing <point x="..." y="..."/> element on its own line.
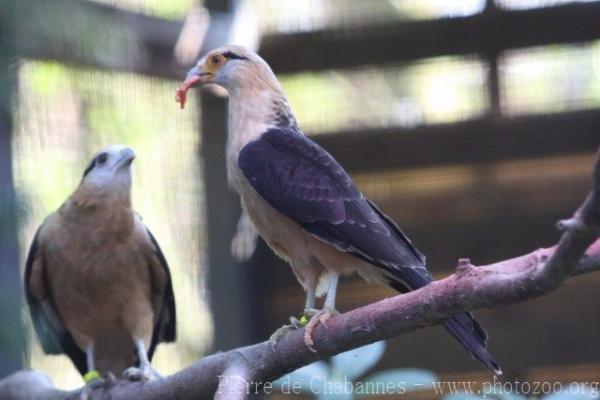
<point x="321" y="317"/>
<point x="110" y="379"/>
<point x="283" y="331"/>
<point x="296" y="323"/>
<point x="140" y="374"/>
<point x="308" y="341"/>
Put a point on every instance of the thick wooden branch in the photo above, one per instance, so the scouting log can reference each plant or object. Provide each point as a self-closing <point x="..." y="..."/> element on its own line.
<point x="230" y="374"/>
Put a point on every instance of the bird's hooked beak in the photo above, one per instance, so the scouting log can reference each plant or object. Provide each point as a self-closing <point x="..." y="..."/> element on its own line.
<point x="195" y="77"/>
<point x="126" y="157"/>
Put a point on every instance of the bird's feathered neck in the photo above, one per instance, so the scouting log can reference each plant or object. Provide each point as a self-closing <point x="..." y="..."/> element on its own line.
<point x="255" y="105"/>
<point x="105" y="213"/>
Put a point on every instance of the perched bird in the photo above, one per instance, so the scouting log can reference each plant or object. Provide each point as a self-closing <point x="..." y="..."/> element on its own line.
<point x="304" y="204"/>
<point x="97" y="284"/>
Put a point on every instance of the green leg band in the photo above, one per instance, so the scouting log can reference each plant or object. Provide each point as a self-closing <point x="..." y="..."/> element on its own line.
<point x="303" y="320"/>
<point x="91" y="376"/>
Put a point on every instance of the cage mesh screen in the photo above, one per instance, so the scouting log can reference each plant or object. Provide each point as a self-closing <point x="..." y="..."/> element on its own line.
<point x="158" y="8"/>
<point x="64" y="115"/>
<point x="527" y="4"/>
<point x="308" y="15"/>
<point x="444" y="89"/>
<point x="551" y="79"/>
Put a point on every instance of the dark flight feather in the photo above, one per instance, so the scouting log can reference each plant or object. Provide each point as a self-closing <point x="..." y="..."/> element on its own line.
<point x="54" y="337"/>
<point x="165" y="327"/>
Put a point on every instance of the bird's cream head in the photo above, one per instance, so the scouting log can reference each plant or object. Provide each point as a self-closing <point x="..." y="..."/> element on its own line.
<point x="108" y="176"/>
<point x="235" y="68"/>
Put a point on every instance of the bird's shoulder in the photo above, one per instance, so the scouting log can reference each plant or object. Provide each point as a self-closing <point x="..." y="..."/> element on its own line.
<point x="141" y="235"/>
<point x="296" y="161"/>
<point x="50" y="230"/>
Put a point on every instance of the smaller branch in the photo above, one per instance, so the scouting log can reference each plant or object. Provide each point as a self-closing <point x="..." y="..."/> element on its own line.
<point x="580" y="232"/>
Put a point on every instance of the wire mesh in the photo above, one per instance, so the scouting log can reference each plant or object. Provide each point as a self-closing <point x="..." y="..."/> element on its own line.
<point x="308" y="15"/>
<point x="528" y="4"/>
<point x="156" y="8"/>
<point x="439" y="90"/>
<point x="550" y="79"/>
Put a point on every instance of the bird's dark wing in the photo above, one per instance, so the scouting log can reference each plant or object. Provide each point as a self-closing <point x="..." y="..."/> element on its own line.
<point x="165" y="327"/>
<point x="53" y="335"/>
<point x="305" y="183"/>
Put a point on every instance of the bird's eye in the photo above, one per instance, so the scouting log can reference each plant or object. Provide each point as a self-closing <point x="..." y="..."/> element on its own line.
<point x="218" y="59"/>
<point x="102" y="158"/>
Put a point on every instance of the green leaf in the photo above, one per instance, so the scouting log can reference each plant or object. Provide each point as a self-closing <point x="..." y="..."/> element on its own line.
<point x="306" y="379"/>
<point x="462" y="396"/>
<point x="396" y="381"/>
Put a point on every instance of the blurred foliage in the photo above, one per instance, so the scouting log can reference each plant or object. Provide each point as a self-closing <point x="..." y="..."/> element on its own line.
<point x="339" y="379"/>
<point x="438" y="90"/>
<point x="306" y="15"/>
<point x="526" y="4"/>
<point x="157" y="8"/>
<point x="551" y="79"/>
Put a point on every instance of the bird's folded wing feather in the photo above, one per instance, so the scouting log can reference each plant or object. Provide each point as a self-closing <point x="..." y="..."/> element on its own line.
<point x="305" y="183"/>
<point x="162" y="297"/>
<point x="54" y="337"/>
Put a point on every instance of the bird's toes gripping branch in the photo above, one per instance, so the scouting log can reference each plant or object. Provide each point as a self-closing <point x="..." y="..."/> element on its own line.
<point x="295" y="324"/>
<point x="320" y="317"/>
<point x="145" y="373"/>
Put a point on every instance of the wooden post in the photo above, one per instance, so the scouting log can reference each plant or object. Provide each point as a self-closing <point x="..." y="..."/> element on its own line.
<point x="232" y="299"/>
<point x="12" y="337"/>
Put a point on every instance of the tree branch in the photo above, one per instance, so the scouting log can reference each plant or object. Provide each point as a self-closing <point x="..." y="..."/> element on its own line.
<point x="234" y="373"/>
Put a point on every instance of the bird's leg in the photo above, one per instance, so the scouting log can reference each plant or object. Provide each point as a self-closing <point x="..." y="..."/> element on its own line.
<point x="145" y="371"/>
<point x="295" y="323"/>
<point x="325" y="314"/>
<point x="309" y="306"/>
<point x="92" y="377"/>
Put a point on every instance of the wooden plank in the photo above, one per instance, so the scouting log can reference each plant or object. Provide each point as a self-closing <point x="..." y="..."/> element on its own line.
<point x="233" y="301"/>
<point x="95" y="35"/>
<point x="486" y="33"/>
<point x="12" y="343"/>
<point x="476" y="141"/>
<point x="100" y="36"/>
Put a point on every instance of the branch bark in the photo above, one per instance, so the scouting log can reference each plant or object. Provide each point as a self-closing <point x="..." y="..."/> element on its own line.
<point x="234" y="373"/>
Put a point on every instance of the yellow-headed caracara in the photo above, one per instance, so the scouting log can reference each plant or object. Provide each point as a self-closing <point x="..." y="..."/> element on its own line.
<point x="304" y="204"/>
<point x="98" y="286"/>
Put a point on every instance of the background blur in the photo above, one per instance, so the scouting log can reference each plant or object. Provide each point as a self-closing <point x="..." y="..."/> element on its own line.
<point x="472" y="123"/>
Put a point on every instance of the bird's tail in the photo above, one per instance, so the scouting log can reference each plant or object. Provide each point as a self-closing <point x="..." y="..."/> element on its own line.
<point x="463" y="327"/>
<point x="472" y="337"/>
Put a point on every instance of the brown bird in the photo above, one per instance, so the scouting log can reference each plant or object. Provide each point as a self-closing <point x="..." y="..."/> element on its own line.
<point x="304" y="204"/>
<point x="97" y="284"/>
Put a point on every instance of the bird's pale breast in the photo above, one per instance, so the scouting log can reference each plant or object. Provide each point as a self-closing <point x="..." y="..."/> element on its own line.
<point x="102" y="291"/>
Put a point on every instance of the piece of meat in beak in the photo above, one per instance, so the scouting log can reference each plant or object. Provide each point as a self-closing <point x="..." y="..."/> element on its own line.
<point x="193" y="79"/>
